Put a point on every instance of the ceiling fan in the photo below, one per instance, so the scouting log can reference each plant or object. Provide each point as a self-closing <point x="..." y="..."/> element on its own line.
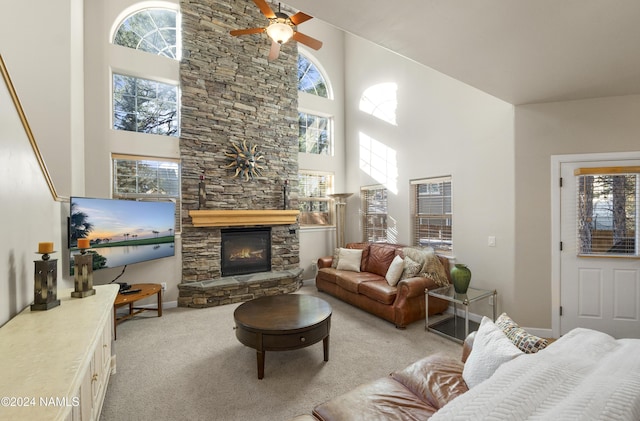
<point x="281" y="29"/>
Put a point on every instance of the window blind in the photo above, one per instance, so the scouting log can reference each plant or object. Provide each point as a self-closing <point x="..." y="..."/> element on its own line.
<point x="374" y="213"/>
<point x="149" y="179"/>
<point x="313" y="191"/>
<point x="432" y="213"/>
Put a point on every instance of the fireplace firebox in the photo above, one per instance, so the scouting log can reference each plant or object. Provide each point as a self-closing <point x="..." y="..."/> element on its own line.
<point x="245" y="250"/>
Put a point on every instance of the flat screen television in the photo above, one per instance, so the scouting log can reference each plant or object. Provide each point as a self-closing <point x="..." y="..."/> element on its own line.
<point x="121" y="232"/>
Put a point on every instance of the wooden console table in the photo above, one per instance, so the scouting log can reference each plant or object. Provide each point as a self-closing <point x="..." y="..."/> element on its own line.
<point x="146" y="290"/>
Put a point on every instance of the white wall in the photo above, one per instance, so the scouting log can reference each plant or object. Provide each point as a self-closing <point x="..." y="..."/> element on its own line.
<point x="29" y="213"/>
<point x="40" y="42"/>
<point x="444" y="127"/>
<point x="542" y="130"/>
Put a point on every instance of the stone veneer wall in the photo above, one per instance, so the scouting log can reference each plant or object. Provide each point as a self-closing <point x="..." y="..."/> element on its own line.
<point x="231" y="93"/>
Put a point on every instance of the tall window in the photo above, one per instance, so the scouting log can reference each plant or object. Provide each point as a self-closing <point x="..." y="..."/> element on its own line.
<point x="151" y="30"/>
<point x="142" y="178"/>
<point x="145" y="106"/>
<point x="432" y="213"/>
<point x="314" y="188"/>
<point x="607" y="211"/>
<point x="374" y="209"/>
<point x="314" y="134"/>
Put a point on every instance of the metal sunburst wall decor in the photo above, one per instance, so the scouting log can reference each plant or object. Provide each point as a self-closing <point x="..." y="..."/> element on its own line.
<point x="245" y="160"/>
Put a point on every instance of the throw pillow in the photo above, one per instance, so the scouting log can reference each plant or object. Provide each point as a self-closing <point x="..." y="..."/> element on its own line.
<point x="395" y="271"/>
<point x="491" y="349"/>
<point x="411" y="268"/>
<point x="526" y="342"/>
<point x="349" y="259"/>
<point x="417" y="254"/>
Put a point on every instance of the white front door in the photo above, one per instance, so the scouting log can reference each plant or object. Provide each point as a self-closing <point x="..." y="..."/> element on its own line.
<point x="597" y="292"/>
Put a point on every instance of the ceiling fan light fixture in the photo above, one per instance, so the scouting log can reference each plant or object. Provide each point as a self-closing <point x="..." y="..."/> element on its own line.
<point x="280" y="32"/>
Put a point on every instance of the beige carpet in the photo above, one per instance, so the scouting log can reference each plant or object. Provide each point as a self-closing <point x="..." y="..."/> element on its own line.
<point x="188" y="365"/>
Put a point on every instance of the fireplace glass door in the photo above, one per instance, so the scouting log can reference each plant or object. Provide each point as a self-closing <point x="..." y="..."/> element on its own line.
<point x="246" y="250"/>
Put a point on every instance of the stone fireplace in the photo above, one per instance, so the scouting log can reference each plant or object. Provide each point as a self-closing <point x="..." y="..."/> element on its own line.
<point x="231" y="94"/>
<point x="245" y="250"/>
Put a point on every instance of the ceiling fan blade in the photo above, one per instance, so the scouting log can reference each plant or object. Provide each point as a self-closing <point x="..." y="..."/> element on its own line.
<point x="265" y="9"/>
<point x="274" y="51"/>
<point x="307" y="40"/>
<point x="299" y="17"/>
<point x="237" y="32"/>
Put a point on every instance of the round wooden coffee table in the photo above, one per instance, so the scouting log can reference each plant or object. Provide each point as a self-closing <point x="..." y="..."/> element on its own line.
<point x="281" y="323"/>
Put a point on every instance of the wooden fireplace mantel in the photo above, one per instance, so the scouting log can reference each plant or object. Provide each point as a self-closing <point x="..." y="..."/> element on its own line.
<point x="235" y="218"/>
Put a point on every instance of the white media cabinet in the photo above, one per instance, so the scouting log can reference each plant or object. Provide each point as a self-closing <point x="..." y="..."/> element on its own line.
<point x="56" y="364"/>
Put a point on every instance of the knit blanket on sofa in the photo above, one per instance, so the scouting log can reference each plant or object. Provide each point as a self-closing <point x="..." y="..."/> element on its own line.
<point x="584" y="375"/>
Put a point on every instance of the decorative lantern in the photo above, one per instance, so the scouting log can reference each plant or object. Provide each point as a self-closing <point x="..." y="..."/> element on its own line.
<point x="45" y="289"/>
<point x="83" y="271"/>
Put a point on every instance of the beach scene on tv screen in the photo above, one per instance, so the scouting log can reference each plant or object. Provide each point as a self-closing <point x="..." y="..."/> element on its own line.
<point x="122" y="232"/>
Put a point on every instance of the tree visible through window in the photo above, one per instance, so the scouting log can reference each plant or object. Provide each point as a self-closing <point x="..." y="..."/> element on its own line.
<point x="310" y="80"/>
<point x="314" y="134"/>
<point x="144" y="106"/>
<point x="150" y="30"/>
<point x="607" y="212"/>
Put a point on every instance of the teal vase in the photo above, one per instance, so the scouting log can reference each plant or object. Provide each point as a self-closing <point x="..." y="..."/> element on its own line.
<point x="461" y="276"/>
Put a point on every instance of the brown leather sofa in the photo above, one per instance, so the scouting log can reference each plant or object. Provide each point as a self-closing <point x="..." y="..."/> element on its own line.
<point x="368" y="289"/>
<point x="415" y="393"/>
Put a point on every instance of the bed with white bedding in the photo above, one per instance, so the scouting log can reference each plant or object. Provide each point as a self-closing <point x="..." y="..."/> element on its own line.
<point x="584" y="375"/>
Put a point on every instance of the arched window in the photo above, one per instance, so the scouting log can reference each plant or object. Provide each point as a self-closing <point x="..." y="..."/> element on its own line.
<point x="150" y="30"/>
<point x="310" y="79"/>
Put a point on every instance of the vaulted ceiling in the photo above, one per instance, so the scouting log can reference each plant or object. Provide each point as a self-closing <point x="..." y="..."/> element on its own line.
<point x="521" y="51"/>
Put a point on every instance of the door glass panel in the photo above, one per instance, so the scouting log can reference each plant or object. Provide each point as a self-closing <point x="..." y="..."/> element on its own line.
<point x="607" y="214"/>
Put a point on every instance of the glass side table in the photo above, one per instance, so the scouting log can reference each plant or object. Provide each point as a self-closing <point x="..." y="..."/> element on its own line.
<point x="451" y="327"/>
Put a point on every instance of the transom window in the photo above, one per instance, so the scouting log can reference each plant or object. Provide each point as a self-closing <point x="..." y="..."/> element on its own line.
<point x="314" y="188"/>
<point x="310" y="79"/>
<point x="607" y="211"/>
<point x="145" y="106"/>
<point x="150" y="30"/>
<point x="432" y="213"/>
<point x="374" y="209"/>
<point x="314" y="135"/>
<point x="144" y="178"/>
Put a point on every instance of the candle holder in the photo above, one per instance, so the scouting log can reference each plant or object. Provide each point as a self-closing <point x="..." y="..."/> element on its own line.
<point x="83" y="274"/>
<point x="45" y="288"/>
